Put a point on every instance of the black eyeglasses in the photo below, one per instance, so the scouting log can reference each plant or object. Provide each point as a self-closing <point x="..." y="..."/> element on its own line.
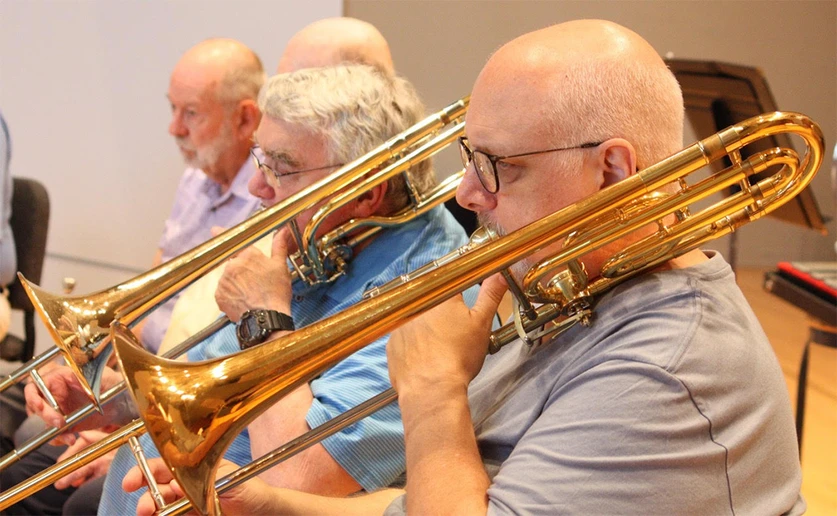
<point x="486" y="164"/>
<point x="273" y="177"/>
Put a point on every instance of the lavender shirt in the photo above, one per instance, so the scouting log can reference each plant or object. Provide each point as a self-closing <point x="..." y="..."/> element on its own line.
<point x="198" y="206"/>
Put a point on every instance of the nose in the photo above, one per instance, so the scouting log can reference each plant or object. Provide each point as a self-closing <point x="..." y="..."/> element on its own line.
<point x="471" y="195"/>
<point x="259" y="188"/>
<point x="176" y="126"/>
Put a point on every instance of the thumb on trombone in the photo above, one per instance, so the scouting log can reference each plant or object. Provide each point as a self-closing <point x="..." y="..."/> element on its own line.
<point x="253" y="280"/>
<point x="445" y="345"/>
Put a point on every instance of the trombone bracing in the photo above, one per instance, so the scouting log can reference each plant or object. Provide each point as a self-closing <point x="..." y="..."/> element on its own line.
<point x="192" y="435"/>
<point x="79" y="325"/>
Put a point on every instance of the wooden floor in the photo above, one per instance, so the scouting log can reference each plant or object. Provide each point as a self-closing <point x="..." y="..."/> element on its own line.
<point x="787" y="328"/>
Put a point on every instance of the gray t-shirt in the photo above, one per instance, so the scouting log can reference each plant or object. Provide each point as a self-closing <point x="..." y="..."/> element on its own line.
<point x="672" y="402"/>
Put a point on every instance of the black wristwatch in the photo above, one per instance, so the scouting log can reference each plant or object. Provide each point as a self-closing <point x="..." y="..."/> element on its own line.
<point x="255" y="326"/>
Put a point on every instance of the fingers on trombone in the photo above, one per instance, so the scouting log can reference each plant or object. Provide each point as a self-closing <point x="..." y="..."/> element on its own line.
<point x="170" y="492"/>
<point x="35" y="404"/>
<point x="491" y="294"/>
<point x="281" y="241"/>
<point x="134" y="479"/>
<point x="168" y="487"/>
<point x="39" y="383"/>
<point x="65" y="439"/>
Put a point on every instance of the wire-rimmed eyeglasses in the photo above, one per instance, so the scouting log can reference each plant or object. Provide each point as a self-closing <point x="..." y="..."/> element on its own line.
<point x="273" y="177"/>
<point x="486" y="164"/>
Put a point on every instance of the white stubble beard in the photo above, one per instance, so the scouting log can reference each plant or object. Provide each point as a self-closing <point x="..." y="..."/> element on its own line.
<point x="518" y="269"/>
<point x="207" y="156"/>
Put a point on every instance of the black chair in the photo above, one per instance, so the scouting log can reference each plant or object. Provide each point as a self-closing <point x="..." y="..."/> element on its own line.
<point x="30" y="221"/>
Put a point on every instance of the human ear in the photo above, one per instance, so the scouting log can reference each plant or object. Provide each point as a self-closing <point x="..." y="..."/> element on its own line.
<point x="248" y="117"/>
<point x="617" y="161"/>
<point x="370" y="201"/>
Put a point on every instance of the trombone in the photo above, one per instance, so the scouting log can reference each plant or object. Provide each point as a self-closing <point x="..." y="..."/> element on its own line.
<point x="79" y="325"/>
<point x="192" y="437"/>
<point x="318" y="259"/>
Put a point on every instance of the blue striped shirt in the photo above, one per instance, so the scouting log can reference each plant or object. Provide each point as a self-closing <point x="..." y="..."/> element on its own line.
<point x="372" y="450"/>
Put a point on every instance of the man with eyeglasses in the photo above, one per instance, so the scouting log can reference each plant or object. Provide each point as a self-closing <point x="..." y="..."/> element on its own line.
<point x="670" y="402"/>
<point x="310" y="128"/>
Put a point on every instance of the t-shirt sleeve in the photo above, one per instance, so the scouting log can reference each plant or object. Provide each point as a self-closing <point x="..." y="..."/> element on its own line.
<point x="602" y="446"/>
<point x="371" y="450"/>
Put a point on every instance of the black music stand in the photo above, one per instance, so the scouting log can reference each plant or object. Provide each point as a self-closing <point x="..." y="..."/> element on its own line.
<point x="718" y="95"/>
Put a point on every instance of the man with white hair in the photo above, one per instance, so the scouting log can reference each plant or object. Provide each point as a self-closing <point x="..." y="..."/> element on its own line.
<point x="309" y="128"/>
<point x="212" y="92"/>
<point x="670" y="402"/>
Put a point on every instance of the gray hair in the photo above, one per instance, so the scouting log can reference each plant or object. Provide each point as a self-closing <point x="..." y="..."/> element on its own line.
<point x="356" y="108"/>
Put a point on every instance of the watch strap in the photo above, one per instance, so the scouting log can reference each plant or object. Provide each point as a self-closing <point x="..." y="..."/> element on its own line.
<point x="265" y="322"/>
<point x="279" y="321"/>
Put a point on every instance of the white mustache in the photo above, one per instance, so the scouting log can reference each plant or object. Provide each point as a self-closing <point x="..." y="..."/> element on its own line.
<point x="184" y="144"/>
<point x="486" y="222"/>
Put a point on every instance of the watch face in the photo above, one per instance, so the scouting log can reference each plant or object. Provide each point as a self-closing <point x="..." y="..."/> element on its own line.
<point x="256" y="326"/>
<point x="249" y="330"/>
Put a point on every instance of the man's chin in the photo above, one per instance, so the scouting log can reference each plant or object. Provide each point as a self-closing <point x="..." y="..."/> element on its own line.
<point x="189" y="156"/>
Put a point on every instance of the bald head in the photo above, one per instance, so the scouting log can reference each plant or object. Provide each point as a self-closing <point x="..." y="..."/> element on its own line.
<point x="588" y="80"/>
<point x="212" y="92"/>
<point x="333" y="41"/>
<point x="226" y="67"/>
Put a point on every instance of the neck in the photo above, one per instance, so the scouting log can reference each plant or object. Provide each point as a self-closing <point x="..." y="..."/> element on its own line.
<point x="226" y="169"/>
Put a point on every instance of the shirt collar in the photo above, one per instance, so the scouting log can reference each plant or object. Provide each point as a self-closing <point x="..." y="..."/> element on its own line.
<point x="238" y="188"/>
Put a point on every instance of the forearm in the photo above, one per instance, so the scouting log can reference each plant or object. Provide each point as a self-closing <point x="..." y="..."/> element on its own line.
<point x="295" y="503"/>
<point x="313" y="470"/>
<point x="445" y="474"/>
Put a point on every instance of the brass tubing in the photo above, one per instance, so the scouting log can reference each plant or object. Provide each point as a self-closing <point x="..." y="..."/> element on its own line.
<point x="423" y="152"/>
<point x="79" y="325"/>
<point x="51" y="433"/>
<point x="59" y="470"/>
<point x="74" y="418"/>
<point x="291" y="448"/>
<point x="24" y="370"/>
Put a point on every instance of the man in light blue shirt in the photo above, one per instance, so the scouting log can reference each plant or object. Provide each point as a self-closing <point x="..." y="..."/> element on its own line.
<point x="309" y="129"/>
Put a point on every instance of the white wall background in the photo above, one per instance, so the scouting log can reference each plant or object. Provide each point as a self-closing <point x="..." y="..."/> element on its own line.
<point x="82" y="87"/>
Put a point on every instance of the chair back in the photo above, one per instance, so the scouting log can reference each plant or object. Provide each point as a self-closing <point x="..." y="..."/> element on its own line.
<point x="29" y="222"/>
